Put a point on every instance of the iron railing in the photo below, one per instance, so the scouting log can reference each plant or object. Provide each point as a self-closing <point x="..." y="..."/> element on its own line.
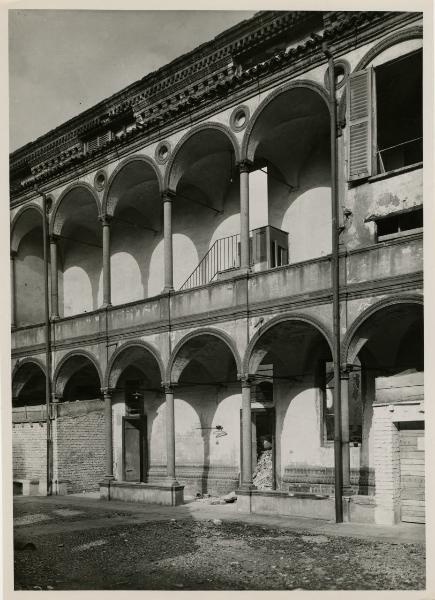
<point x="222" y="256"/>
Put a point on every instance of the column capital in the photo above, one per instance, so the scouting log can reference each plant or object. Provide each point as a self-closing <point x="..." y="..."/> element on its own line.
<point x="246" y="379"/>
<point x="345" y="370"/>
<point x="105" y="219"/>
<point x="168" y="386"/>
<point x="107" y="392"/>
<point x="56" y="398"/>
<point x="245" y="165"/>
<point x="13" y="254"/>
<point x="168" y="195"/>
<point x="53" y="238"/>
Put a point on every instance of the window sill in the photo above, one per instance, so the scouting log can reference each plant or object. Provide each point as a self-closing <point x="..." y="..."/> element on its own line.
<point x="395" y="172"/>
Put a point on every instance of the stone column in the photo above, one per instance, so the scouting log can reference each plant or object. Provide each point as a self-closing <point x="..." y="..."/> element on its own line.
<point x="244" y="167"/>
<point x="54" y="277"/>
<point x="345" y="451"/>
<point x="107" y="301"/>
<point x="246" y="482"/>
<point x="107" y="394"/>
<point x="167" y="198"/>
<point x="13" y="294"/>
<point x="170" y="434"/>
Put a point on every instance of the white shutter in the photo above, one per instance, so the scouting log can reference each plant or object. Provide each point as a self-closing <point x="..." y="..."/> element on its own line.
<point x="359" y="125"/>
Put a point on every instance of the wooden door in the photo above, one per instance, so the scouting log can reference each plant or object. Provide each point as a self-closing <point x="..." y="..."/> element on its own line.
<point x="134" y="449"/>
<point x="412" y="472"/>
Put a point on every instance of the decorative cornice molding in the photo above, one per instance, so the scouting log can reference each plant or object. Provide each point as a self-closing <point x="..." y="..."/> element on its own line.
<point x="214" y="86"/>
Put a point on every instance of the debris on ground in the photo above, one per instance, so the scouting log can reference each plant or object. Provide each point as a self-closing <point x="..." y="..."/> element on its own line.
<point x="262" y="478"/>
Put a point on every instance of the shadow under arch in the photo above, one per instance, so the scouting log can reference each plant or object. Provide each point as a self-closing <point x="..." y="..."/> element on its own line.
<point x="288" y="317"/>
<point x="123" y="356"/>
<point x="172" y="175"/>
<point x="352" y="343"/>
<point x="58" y="217"/>
<point x="69" y="365"/>
<point x="404" y="35"/>
<point x="249" y="145"/>
<point x="24" y="370"/>
<point x="108" y="204"/>
<point x="205" y="332"/>
<point x="17" y="235"/>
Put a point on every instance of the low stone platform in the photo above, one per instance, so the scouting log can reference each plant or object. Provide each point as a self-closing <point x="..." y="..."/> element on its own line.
<point x="144" y="493"/>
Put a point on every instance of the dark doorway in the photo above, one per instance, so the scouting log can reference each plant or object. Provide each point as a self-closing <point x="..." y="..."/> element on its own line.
<point x="135" y="448"/>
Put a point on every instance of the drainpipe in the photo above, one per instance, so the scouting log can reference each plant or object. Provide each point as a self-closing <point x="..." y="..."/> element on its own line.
<point x="47" y="342"/>
<point x="335" y="272"/>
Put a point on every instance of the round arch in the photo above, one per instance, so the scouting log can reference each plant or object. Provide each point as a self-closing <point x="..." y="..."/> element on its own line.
<point x="17" y="382"/>
<point x="207" y="331"/>
<point x="57" y="220"/>
<point x="60" y="379"/>
<point x="123" y="349"/>
<point x="15" y="236"/>
<point x="246" y="152"/>
<point x="187" y="136"/>
<point x="410" y="33"/>
<point x="139" y="158"/>
<point x="349" y="346"/>
<point x="286" y="318"/>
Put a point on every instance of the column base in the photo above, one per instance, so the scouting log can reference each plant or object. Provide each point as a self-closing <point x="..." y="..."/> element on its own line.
<point x="347" y="491"/>
<point x="247" y="487"/>
<point x="106" y="305"/>
<point x="171" y="481"/>
<point x="168" y="289"/>
<point x="54" y="318"/>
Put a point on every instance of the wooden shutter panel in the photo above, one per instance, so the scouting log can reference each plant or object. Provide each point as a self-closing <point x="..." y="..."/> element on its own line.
<point x="359" y="119"/>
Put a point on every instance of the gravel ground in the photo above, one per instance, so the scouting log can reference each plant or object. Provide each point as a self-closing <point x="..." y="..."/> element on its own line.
<point x="201" y="555"/>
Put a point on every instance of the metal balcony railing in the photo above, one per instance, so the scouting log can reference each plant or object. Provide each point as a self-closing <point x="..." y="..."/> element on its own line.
<point x="400" y="155"/>
<point x="222" y="256"/>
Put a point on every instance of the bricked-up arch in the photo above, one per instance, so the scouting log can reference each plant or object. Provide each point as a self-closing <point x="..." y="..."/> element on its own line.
<point x="136" y="354"/>
<point x="295" y="100"/>
<point x="281" y="330"/>
<point x="212" y="350"/>
<point x="132" y="173"/>
<point x="387" y="319"/>
<point x="78" y="374"/>
<point x="206" y="138"/>
<point x="26" y="219"/>
<point x="28" y="383"/>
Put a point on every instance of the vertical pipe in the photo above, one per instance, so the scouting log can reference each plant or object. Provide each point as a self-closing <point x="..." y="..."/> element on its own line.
<point x="170" y="435"/>
<point x="107" y="394"/>
<point x="54" y="278"/>
<point x="167" y="233"/>
<point x="247" y="435"/>
<point x="106" y="261"/>
<point x="13" y="292"/>
<point x="335" y="269"/>
<point x="244" y="214"/>
<point x="47" y="343"/>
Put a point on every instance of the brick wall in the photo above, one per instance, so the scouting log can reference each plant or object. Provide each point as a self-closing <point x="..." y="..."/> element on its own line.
<point x="79" y="442"/>
<point x="387" y="465"/>
<point x="29" y="451"/>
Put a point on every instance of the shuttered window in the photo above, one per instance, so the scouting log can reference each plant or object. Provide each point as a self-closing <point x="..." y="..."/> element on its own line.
<point x="359" y="105"/>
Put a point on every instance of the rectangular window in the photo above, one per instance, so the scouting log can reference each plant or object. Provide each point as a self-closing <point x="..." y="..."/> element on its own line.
<point x="403" y="223"/>
<point x="399" y="118"/>
<point x="385" y="117"/>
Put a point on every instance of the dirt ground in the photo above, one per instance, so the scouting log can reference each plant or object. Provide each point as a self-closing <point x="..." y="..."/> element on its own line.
<point x="199" y="555"/>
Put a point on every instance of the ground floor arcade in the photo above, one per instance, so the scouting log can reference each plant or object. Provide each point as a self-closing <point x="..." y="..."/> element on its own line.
<point x="208" y="418"/>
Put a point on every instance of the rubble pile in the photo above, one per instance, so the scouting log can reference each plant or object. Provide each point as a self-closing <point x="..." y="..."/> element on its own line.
<point x="263" y="473"/>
